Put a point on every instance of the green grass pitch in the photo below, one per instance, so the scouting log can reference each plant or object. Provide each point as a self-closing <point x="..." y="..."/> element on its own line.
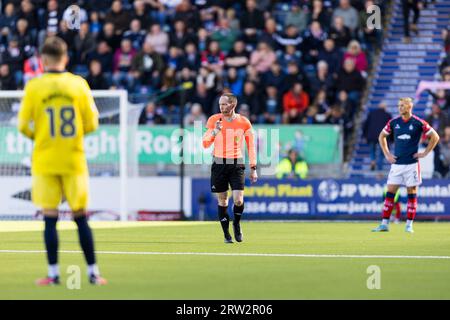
<point x="238" y="276"/>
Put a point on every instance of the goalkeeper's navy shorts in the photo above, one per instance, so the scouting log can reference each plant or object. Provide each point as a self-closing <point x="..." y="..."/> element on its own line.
<point x="225" y="173"/>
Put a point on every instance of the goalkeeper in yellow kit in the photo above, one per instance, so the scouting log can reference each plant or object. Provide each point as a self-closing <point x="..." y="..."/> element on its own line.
<point x="57" y="111"/>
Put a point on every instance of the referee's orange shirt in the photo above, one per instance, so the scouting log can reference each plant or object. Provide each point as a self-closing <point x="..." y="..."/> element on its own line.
<point x="228" y="142"/>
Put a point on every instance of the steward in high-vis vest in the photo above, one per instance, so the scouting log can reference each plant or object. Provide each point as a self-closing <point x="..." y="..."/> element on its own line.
<point x="292" y="167"/>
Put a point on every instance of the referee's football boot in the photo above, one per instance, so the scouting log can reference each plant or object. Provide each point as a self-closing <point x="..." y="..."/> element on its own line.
<point x="237" y="232"/>
<point x="228" y="238"/>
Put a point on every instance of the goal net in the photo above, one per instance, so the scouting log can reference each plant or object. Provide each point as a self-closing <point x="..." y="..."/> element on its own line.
<point x="112" y="160"/>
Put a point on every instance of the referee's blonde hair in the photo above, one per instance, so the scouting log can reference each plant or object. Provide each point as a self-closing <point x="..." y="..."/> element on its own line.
<point x="231" y="98"/>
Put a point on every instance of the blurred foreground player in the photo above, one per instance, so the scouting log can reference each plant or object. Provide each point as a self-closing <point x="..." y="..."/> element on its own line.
<point x="405" y="167"/>
<point x="57" y="111"/>
<point x="227" y="130"/>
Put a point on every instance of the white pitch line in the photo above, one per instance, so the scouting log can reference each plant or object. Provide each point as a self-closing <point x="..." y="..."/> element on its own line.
<point x="351" y="256"/>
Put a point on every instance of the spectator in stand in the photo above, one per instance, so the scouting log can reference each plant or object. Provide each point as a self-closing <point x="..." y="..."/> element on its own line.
<point x="446" y="37"/>
<point x="71" y="12"/>
<point x="52" y="17"/>
<point x="322" y="104"/>
<point x="337" y="117"/>
<point x="331" y="56"/>
<point x="135" y="34"/>
<point x="119" y="17"/>
<point x="234" y="81"/>
<point x="407" y="6"/>
<point x="269" y="34"/>
<point x="148" y="66"/>
<point x="189" y="14"/>
<point x="271" y="107"/>
<point x="123" y="57"/>
<point x="252" y="22"/>
<point x="174" y="59"/>
<point x="340" y="33"/>
<point x="275" y="77"/>
<point x="238" y="57"/>
<point x="348" y="14"/>
<point x="313" y="43"/>
<point x="203" y="97"/>
<point x="151" y="115"/>
<point x="439" y="121"/>
<point x="224" y="35"/>
<point x="195" y="115"/>
<point x="14" y="58"/>
<point x="141" y="12"/>
<point x="444" y="147"/>
<point x="295" y="103"/>
<point x="251" y="97"/>
<point x="292" y="167"/>
<point x="235" y="25"/>
<point x="262" y="58"/>
<point x="209" y="79"/>
<point x="7" y="81"/>
<point x="27" y="11"/>
<point x="32" y="68"/>
<point x="179" y="37"/>
<point x="322" y="80"/>
<point x="320" y="14"/>
<point x="191" y="59"/>
<point x="296" y="17"/>
<point x="291" y="54"/>
<point x="371" y="36"/>
<point x="96" y="79"/>
<point x="104" y="55"/>
<point x="441" y="98"/>
<point x="202" y="39"/>
<point x="354" y="52"/>
<point x="290" y="37"/>
<point x="375" y="122"/>
<point x="296" y="74"/>
<point x="26" y="41"/>
<point x="84" y="44"/>
<point x="109" y="35"/>
<point x="7" y="21"/>
<point x="213" y="59"/>
<point x="158" y="39"/>
<point x="346" y="104"/>
<point x="350" y="80"/>
<point x="253" y="75"/>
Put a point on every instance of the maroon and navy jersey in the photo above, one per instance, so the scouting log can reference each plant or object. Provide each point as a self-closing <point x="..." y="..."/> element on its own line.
<point x="407" y="136"/>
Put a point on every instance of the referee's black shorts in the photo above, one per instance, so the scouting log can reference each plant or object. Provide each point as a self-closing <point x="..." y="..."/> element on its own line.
<point x="225" y="173"/>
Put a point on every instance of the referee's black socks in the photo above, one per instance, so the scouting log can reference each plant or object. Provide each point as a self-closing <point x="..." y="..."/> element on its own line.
<point x="238" y="210"/>
<point x="224" y="219"/>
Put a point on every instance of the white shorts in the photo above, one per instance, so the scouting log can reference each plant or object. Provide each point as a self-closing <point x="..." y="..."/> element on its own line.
<point x="405" y="174"/>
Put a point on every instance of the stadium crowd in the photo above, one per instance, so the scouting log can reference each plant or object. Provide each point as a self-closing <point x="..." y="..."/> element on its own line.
<point x="299" y="61"/>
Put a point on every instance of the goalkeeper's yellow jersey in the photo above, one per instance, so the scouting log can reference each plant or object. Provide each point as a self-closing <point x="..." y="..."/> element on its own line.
<point x="57" y="110"/>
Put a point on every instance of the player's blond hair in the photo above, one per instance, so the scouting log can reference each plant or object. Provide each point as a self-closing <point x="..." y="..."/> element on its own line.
<point x="231" y="98"/>
<point x="54" y="48"/>
<point x="407" y="100"/>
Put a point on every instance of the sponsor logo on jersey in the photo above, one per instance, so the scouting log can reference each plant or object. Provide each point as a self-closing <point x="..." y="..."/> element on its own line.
<point x="404" y="137"/>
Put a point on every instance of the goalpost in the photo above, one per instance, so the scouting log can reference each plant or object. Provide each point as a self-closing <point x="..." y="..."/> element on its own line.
<point x="112" y="159"/>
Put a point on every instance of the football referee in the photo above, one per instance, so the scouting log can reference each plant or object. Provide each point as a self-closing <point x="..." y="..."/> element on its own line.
<point x="227" y="130"/>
